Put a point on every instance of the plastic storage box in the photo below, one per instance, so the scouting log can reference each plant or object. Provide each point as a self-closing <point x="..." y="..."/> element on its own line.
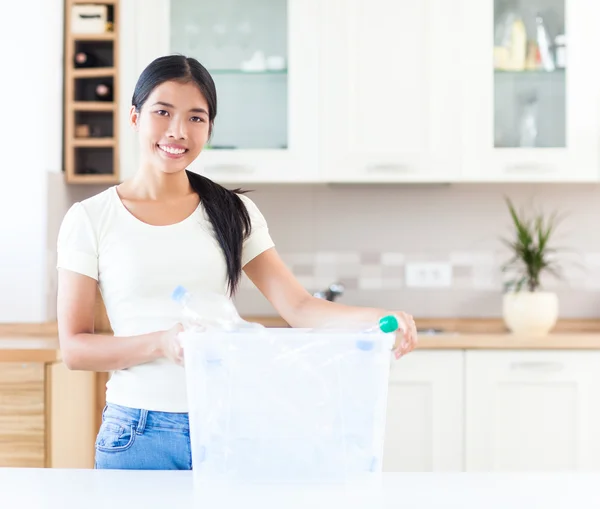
<point x="286" y="405"/>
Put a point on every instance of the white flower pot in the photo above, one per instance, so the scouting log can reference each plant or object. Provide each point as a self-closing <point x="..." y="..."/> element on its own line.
<point x="530" y="313"/>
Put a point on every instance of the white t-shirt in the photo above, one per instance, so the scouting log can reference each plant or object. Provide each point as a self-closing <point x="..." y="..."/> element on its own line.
<point x="138" y="266"/>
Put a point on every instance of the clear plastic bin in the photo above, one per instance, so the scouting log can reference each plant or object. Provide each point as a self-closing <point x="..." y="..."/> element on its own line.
<point x="287" y="405"/>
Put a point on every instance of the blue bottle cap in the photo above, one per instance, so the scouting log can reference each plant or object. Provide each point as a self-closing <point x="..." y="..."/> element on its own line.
<point x="179" y="293"/>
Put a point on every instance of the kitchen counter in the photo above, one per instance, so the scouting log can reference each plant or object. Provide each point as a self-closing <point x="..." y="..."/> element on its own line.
<point x="29" y="342"/>
<point x="91" y="489"/>
<point x="39" y="342"/>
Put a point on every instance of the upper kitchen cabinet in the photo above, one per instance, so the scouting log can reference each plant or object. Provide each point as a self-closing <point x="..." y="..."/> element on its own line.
<point x="530" y="93"/>
<point x="263" y="57"/>
<point x="389" y="90"/>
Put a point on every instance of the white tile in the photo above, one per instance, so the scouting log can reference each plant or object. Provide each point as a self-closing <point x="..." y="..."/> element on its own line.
<point x="348" y="270"/>
<point x="392" y="259"/>
<point x="370" y="271"/>
<point x="472" y="258"/>
<point x="321" y="283"/>
<point x="487" y="277"/>
<point x="326" y="258"/>
<point x="347" y="257"/>
<point x="370" y="283"/>
<point x="392" y="283"/>
<point x="299" y="258"/>
<point x="307" y="282"/>
<point x="328" y="271"/>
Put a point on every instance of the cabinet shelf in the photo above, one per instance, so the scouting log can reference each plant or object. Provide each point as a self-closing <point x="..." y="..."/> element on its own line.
<point x="93" y="142"/>
<point x="93" y="106"/>
<point x="92" y="179"/>
<point x="94" y="72"/>
<point x="91" y="159"/>
<point x="107" y="36"/>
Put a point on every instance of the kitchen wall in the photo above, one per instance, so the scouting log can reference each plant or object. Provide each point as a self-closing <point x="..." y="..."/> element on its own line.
<point x="31" y="132"/>
<point x="361" y="235"/>
<point x="364" y="236"/>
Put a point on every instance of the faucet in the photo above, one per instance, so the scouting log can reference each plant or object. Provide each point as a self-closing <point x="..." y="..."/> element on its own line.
<point x="334" y="291"/>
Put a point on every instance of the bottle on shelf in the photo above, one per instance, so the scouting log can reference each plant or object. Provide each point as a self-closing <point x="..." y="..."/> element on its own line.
<point x="83" y="59"/>
<point x="104" y="92"/>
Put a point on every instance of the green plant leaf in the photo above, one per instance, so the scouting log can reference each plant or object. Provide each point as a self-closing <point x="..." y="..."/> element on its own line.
<point x="532" y="255"/>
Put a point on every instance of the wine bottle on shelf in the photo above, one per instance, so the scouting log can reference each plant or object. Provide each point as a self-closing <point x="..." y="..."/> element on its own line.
<point x="104" y="92"/>
<point x="83" y="59"/>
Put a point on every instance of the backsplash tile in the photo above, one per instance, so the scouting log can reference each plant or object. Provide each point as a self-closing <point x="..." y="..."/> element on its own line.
<point x="370" y="258"/>
<point x="458" y="224"/>
<point x="392" y="259"/>
<point x="342" y="233"/>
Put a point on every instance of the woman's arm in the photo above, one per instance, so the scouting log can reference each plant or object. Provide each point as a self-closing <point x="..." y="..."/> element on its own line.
<point x="81" y="349"/>
<point x="300" y="309"/>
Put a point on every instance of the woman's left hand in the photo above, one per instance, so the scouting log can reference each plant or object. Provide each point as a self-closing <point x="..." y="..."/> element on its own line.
<point x="406" y="336"/>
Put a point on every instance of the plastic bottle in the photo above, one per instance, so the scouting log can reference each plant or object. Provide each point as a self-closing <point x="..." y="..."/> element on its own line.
<point x="386" y="324"/>
<point x="210" y="311"/>
<point x="528" y="130"/>
<point x="384" y="327"/>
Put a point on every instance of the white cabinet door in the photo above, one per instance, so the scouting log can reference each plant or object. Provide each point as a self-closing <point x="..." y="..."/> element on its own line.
<point x="390" y="91"/>
<point x="525" y="120"/>
<point x="424" y="428"/>
<point x="532" y="410"/>
<point x="263" y="57"/>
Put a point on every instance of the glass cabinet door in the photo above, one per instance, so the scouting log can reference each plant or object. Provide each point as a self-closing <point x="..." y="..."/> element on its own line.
<point x="263" y="57"/>
<point x="243" y="44"/>
<point x="529" y="74"/>
<point x="531" y="90"/>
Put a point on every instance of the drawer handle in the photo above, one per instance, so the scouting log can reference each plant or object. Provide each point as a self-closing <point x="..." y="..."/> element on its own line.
<point x="528" y="167"/>
<point x="389" y="168"/>
<point x="537" y="366"/>
<point x="230" y="168"/>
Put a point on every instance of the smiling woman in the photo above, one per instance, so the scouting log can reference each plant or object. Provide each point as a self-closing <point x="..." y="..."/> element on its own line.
<point x="167" y="226"/>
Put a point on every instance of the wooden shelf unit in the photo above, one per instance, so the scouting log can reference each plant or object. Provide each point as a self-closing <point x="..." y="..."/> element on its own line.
<point x="91" y="158"/>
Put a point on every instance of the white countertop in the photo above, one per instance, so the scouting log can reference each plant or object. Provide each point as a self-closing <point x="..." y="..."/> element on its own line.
<point x="90" y="489"/>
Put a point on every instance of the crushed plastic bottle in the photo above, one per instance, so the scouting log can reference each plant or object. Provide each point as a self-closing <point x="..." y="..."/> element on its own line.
<point x="210" y="311"/>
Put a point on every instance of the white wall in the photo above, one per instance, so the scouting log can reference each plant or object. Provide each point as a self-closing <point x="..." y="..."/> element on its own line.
<point x="31" y="59"/>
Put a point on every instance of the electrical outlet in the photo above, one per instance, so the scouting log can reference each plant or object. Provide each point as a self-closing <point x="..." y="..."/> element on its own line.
<point x="428" y="275"/>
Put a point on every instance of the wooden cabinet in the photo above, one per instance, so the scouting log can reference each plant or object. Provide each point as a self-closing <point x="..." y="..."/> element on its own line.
<point x="532" y="411"/>
<point x="47" y="416"/>
<point x="425" y="422"/>
<point x="22" y="415"/>
<point x="91" y="102"/>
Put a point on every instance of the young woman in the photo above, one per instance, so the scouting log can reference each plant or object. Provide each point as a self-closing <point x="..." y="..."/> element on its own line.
<point x="139" y="240"/>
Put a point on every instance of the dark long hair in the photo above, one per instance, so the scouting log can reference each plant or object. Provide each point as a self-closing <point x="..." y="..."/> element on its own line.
<point x="226" y="211"/>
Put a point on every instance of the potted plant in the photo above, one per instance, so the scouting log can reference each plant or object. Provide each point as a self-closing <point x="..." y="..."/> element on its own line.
<point x="527" y="309"/>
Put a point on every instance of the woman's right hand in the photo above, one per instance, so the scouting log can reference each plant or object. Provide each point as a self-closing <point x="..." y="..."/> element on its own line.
<point x="170" y="346"/>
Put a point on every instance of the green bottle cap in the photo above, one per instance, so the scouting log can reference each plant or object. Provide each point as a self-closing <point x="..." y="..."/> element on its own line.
<point x="388" y="323"/>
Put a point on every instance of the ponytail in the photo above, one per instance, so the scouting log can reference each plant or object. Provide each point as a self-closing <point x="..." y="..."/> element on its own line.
<point x="230" y="221"/>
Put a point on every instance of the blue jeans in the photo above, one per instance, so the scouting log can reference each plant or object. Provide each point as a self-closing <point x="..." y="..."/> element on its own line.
<point x="135" y="439"/>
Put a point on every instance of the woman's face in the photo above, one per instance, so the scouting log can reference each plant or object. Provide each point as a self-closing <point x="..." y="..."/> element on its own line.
<point x="172" y="125"/>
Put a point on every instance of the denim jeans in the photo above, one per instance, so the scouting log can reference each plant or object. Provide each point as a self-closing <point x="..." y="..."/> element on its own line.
<point x="136" y="439"/>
